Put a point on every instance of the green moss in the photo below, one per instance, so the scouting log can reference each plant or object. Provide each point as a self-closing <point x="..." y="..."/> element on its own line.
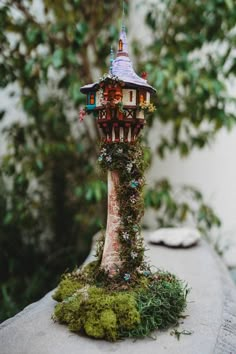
<point x="156" y="302"/>
<point x="125" y="307"/>
<point x="88" y="271"/>
<point x="66" y="288"/>
<point x="100" y="313"/>
<point x="93" y="328"/>
<point x="109" y="321"/>
<point x="113" y="310"/>
<point x="69" y="312"/>
<point x="103" y="327"/>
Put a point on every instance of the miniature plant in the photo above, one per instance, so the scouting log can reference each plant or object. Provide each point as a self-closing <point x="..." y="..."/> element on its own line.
<point x="147" y="106"/>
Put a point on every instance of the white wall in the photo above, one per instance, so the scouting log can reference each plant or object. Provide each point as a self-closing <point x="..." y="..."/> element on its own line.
<point x="212" y="170"/>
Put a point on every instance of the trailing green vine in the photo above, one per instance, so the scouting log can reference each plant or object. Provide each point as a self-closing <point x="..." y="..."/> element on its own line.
<point x="128" y="161"/>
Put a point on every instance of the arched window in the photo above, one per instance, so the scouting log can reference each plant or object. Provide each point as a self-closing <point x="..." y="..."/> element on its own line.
<point x="130" y="96"/>
<point x="120" y="45"/>
<point x="92" y="98"/>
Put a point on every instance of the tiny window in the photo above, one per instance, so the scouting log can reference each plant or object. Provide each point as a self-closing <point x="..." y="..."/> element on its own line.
<point x="141" y="98"/>
<point x="92" y="98"/>
<point x="131" y="96"/>
<point x="120" y="45"/>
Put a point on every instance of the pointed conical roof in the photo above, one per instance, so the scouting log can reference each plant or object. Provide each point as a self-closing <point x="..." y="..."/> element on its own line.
<point x="122" y="68"/>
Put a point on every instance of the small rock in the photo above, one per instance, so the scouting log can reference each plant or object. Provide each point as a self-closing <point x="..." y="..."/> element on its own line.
<point x="175" y="237"/>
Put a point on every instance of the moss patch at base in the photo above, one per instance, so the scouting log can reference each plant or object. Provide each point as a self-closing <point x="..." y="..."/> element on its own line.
<point x="84" y="306"/>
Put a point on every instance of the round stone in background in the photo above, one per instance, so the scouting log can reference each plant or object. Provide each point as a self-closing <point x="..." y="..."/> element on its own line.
<point x="175" y="237"/>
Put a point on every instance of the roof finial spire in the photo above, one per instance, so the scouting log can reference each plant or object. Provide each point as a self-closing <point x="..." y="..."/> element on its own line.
<point x="111" y="59"/>
<point x="123" y="45"/>
<point x="123" y="16"/>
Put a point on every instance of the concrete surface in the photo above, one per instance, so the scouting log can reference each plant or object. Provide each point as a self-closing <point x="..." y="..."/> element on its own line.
<point x="211" y="315"/>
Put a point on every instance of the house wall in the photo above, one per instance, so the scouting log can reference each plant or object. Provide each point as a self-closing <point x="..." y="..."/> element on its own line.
<point x="126" y="97"/>
<point x="98" y="98"/>
<point x="148" y="97"/>
<point x="140" y="114"/>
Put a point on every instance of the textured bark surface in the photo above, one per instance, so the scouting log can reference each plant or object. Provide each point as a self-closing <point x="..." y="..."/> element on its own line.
<point x="111" y="258"/>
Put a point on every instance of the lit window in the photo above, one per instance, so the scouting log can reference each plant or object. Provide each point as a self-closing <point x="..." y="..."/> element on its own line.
<point x="120" y="45"/>
<point x="141" y="98"/>
<point x="92" y="98"/>
<point x="131" y="96"/>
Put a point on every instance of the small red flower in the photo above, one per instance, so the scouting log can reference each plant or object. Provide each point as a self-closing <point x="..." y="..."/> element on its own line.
<point x="144" y="75"/>
<point x="82" y="114"/>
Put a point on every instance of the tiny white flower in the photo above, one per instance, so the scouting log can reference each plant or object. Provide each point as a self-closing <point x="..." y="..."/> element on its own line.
<point x="103" y="151"/>
<point x="129" y="167"/>
<point x="133" y="199"/>
<point x="129" y="219"/>
<point x="125" y="236"/>
<point x="134" y="254"/>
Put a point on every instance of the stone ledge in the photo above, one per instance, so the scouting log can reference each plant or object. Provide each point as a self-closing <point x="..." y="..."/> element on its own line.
<point x="211" y="315"/>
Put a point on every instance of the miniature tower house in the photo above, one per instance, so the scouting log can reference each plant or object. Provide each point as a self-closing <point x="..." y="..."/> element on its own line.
<point x="116" y="99"/>
<point x="116" y="102"/>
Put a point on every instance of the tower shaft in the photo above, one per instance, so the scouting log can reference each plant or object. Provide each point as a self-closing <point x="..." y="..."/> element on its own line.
<point x="111" y="252"/>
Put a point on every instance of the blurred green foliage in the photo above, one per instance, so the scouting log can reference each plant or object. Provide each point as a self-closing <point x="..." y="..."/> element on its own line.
<point x="51" y="199"/>
<point x="190" y="59"/>
<point x="176" y="206"/>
